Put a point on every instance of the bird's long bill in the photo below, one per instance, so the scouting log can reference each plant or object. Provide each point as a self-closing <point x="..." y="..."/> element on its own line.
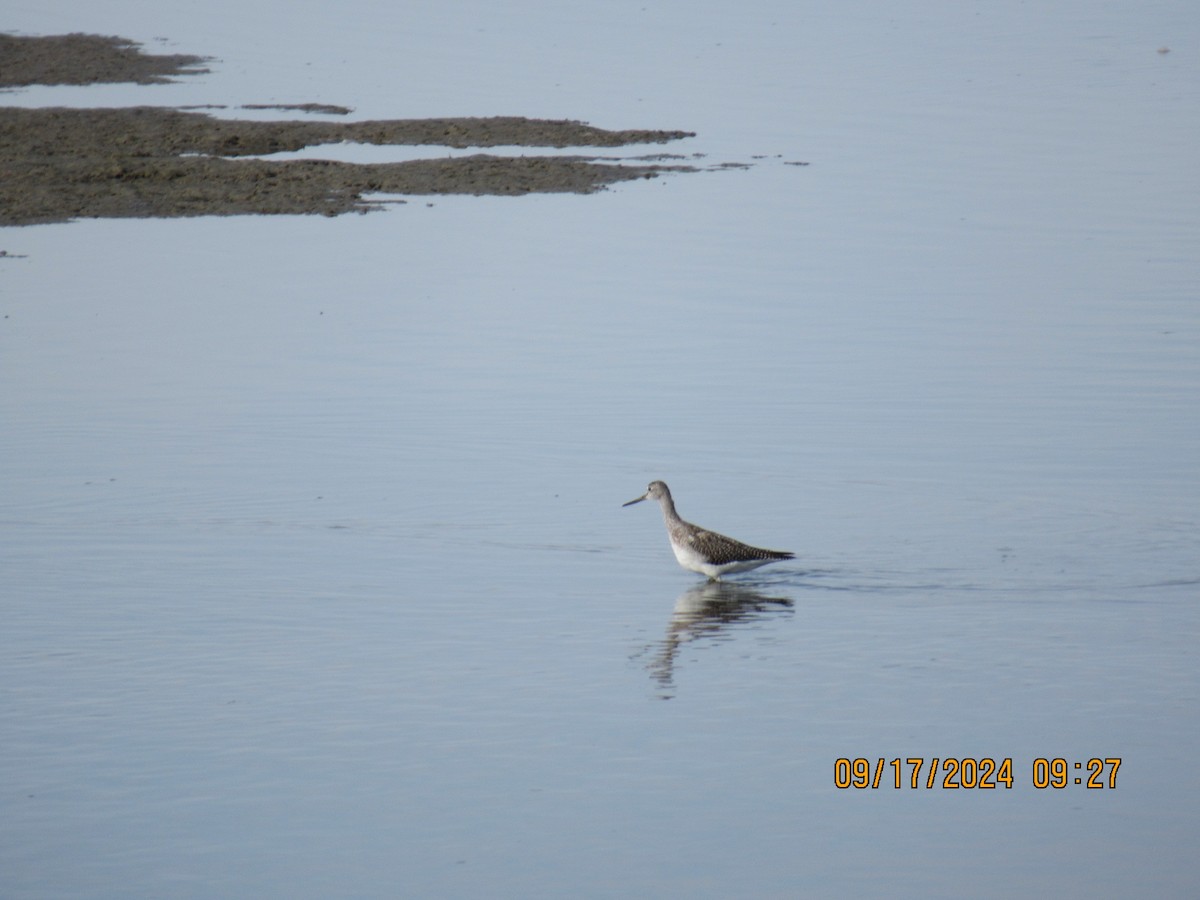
<point x="636" y="500"/>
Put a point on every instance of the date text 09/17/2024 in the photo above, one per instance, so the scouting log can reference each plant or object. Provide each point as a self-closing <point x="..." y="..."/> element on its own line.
<point x="984" y="773"/>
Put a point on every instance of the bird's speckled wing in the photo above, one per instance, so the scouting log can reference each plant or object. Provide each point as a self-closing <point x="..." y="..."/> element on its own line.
<point x="720" y="550"/>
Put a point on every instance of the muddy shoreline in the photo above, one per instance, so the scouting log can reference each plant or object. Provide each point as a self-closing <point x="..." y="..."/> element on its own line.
<point x="58" y="164"/>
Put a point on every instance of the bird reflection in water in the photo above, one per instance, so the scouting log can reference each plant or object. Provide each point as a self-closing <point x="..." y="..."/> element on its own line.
<point x="706" y="612"/>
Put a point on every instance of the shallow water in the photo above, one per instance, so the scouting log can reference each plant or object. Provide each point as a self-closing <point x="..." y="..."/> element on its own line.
<point x="316" y="576"/>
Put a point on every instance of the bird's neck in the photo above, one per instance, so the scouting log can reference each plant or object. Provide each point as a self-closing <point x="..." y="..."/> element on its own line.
<point x="668" y="509"/>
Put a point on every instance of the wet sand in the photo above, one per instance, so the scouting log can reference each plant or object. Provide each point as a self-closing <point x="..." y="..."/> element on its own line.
<point x="58" y="164"/>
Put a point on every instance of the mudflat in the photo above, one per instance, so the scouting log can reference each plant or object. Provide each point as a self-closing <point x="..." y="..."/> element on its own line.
<point x="58" y="164"/>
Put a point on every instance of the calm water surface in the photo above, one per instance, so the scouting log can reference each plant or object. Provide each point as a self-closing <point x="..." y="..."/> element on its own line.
<point x="316" y="579"/>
